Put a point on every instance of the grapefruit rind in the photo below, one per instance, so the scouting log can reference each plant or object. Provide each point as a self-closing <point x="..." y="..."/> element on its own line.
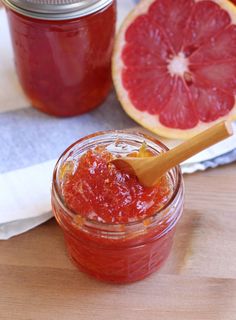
<point x="145" y="119"/>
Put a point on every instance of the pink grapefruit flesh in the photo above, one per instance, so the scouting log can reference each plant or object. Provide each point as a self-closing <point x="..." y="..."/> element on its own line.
<point x="174" y="65"/>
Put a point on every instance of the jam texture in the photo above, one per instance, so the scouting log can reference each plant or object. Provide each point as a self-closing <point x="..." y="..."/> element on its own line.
<point x="99" y="191"/>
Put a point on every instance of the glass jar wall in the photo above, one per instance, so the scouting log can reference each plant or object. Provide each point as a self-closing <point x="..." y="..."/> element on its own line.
<point x="123" y="252"/>
<point x="63" y="64"/>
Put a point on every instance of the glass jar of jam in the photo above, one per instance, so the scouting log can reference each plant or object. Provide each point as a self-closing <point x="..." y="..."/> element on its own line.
<point x="114" y="228"/>
<point x="62" y="51"/>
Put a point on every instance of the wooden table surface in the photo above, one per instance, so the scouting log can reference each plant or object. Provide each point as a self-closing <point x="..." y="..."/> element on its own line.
<point x="37" y="281"/>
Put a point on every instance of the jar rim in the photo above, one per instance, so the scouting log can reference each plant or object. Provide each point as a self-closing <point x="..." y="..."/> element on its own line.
<point x="56" y="9"/>
<point x="96" y="224"/>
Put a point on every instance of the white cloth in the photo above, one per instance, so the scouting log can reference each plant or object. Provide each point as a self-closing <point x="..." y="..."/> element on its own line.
<point x="31" y="142"/>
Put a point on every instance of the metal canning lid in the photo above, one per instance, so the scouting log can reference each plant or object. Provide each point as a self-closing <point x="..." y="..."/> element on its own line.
<point x="56" y="9"/>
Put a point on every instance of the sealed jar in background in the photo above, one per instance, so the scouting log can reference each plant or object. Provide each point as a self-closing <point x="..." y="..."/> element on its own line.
<point x="118" y="253"/>
<point x="62" y="52"/>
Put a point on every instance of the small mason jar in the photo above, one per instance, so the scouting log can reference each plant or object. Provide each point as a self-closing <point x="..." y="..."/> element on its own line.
<point x="119" y="253"/>
<point x="62" y="51"/>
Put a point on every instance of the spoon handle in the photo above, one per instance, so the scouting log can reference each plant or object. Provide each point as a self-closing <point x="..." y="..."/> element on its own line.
<point x="190" y="147"/>
<point x="150" y="169"/>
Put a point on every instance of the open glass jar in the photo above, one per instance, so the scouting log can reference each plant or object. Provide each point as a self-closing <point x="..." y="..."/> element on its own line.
<point x="62" y="51"/>
<point x="124" y="252"/>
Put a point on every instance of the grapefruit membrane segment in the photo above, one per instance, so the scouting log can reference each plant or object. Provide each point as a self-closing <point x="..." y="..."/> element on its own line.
<point x="221" y="48"/>
<point x="207" y="20"/>
<point x="177" y="111"/>
<point x="174" y="65"/>
<point x="211" y="103"/>
<point x="171" y="16"/>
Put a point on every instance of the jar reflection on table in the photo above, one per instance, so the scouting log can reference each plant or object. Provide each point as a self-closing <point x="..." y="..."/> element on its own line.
<point x="117" y="253"/>
<point x="64" y="65"/>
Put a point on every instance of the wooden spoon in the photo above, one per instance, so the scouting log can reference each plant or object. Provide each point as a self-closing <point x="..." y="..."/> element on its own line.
<point x="150" y="169"/>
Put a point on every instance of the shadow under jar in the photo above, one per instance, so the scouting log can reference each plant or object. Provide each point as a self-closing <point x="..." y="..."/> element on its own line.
<point x="62" y="51"/>
<point x="123" y="252"/>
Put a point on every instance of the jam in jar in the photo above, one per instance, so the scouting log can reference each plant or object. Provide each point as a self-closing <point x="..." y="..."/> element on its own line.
<point x="115" y="229"/>
<point x="62" y="51"/>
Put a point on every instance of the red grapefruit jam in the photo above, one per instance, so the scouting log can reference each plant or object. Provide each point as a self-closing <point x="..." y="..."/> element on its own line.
<point x="115" y="229"/>
<point x="64" y="66"/>
<point x="99" y="191"/>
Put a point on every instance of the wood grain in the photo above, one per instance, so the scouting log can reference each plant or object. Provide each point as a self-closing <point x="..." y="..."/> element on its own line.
<point x="198" y="282"/>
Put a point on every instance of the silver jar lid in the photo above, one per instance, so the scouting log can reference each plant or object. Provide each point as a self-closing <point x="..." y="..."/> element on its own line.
<point x="56" y="9"/>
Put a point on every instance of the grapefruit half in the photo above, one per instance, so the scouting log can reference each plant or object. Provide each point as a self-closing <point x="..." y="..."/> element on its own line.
<point x="174" y="65"/>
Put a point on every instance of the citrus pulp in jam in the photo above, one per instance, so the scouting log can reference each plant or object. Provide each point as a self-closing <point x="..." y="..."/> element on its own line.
<point x="99" y="191"/>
